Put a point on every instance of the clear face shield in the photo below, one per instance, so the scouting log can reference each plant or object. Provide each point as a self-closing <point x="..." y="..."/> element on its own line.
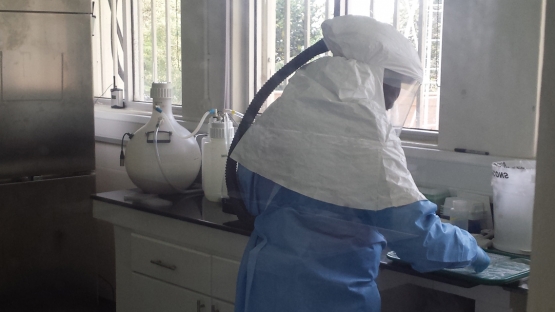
<point x="399" y="95"/>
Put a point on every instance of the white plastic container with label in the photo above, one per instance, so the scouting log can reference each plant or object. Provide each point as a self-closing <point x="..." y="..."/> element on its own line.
<point x="214" y="156"/>
<point x="513" y="202"/>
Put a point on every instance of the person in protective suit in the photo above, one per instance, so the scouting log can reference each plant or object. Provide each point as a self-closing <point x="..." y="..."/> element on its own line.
<point x="323" y="171"/>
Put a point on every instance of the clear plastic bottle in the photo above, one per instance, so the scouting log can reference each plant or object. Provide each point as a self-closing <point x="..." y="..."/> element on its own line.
<point x="214" y="155"/>
<point x="460" y="214"/>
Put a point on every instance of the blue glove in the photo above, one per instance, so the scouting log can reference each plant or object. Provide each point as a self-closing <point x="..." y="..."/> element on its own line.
<point x="481" y="262"/>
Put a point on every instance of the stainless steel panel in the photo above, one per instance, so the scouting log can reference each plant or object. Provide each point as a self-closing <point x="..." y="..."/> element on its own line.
<point x="75" y="6"/>
<point x="48" y="239"/>
<point x="46" y="101"/>
<point x="32" y="76"/>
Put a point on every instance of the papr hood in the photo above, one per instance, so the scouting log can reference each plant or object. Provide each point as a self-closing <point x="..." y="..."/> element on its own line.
<point x="328" y="136"/>
<point x="369" y="41"/>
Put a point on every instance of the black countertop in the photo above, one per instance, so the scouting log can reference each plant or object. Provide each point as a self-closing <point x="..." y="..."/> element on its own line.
<point x="197" y="209"/>
<point x="190" y="208"/>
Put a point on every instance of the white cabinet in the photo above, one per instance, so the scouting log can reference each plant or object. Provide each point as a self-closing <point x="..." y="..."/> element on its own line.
<point x="164" y="264"/>
<point x="224" y="277"/>
<point x="171" y="263"/>
<point x="153" y="295"/>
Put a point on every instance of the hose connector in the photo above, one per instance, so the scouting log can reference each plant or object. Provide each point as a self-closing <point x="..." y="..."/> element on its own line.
<point x="121" y="154"/>
<point x="160" y="121"/>
<point x="121" y="159"/>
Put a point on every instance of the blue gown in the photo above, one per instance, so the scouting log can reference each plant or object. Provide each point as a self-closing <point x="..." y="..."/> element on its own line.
<point x="308" y="255"/>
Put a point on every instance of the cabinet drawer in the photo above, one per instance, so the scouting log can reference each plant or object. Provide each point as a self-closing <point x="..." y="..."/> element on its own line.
<point x="171" y="263"/>
<point x="224" y="278"/>
<point x="150" y="295"/>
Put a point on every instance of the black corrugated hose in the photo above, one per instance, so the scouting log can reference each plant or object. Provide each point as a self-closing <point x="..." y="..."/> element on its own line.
<point x="235" y="200"/>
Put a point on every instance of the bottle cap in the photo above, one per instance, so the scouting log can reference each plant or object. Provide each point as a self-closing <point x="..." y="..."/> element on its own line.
<point x="217" y="130"/>
<point x="161" y="90"/>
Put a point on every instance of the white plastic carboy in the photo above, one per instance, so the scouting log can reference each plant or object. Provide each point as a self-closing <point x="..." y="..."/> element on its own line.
<point x="214" y="156"/>
<point x="162" y="156"/>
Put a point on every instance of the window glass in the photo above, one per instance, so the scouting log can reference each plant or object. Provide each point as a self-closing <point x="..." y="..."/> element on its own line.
<point x="152" y="51"/>
<point x="421" y="25"/>
<point x="156" y="56"/>
<point x="297" y="29"/>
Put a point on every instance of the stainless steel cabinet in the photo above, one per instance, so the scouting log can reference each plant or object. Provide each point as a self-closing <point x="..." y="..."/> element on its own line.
<point x="46" y="100"/>
<point x="47" y="233"/>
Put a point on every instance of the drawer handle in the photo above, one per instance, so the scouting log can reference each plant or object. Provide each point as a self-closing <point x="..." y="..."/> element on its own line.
<point x="200" y="305"/>
<point x="160" y="263"/>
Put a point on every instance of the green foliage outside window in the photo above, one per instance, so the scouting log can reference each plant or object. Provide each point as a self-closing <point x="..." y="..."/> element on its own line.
<point x="297" y="34"/>
<point x="175" y="40"/>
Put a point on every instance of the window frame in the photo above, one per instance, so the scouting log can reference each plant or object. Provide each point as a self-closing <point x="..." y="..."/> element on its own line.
<point x="132" y="55"/>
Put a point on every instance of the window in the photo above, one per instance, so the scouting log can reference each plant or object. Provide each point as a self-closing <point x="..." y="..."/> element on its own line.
<point x="151" y="49"/>
<point x="148" y="45"/>
<point x="106" y="41"/>
<point x="290" y="26"/>
<point x="157" y="54"/>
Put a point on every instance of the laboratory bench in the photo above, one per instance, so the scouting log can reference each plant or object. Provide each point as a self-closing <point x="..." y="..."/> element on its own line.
<point x="178" y="251"/>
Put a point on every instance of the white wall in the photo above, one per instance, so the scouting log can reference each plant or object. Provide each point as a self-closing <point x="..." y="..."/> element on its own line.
<point x="109" y="175"/>
<point x="455" y="171"/>
<point x="489" y="78"/>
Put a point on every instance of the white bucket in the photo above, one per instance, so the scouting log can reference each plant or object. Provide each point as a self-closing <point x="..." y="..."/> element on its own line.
<point x="513" y="185"/>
